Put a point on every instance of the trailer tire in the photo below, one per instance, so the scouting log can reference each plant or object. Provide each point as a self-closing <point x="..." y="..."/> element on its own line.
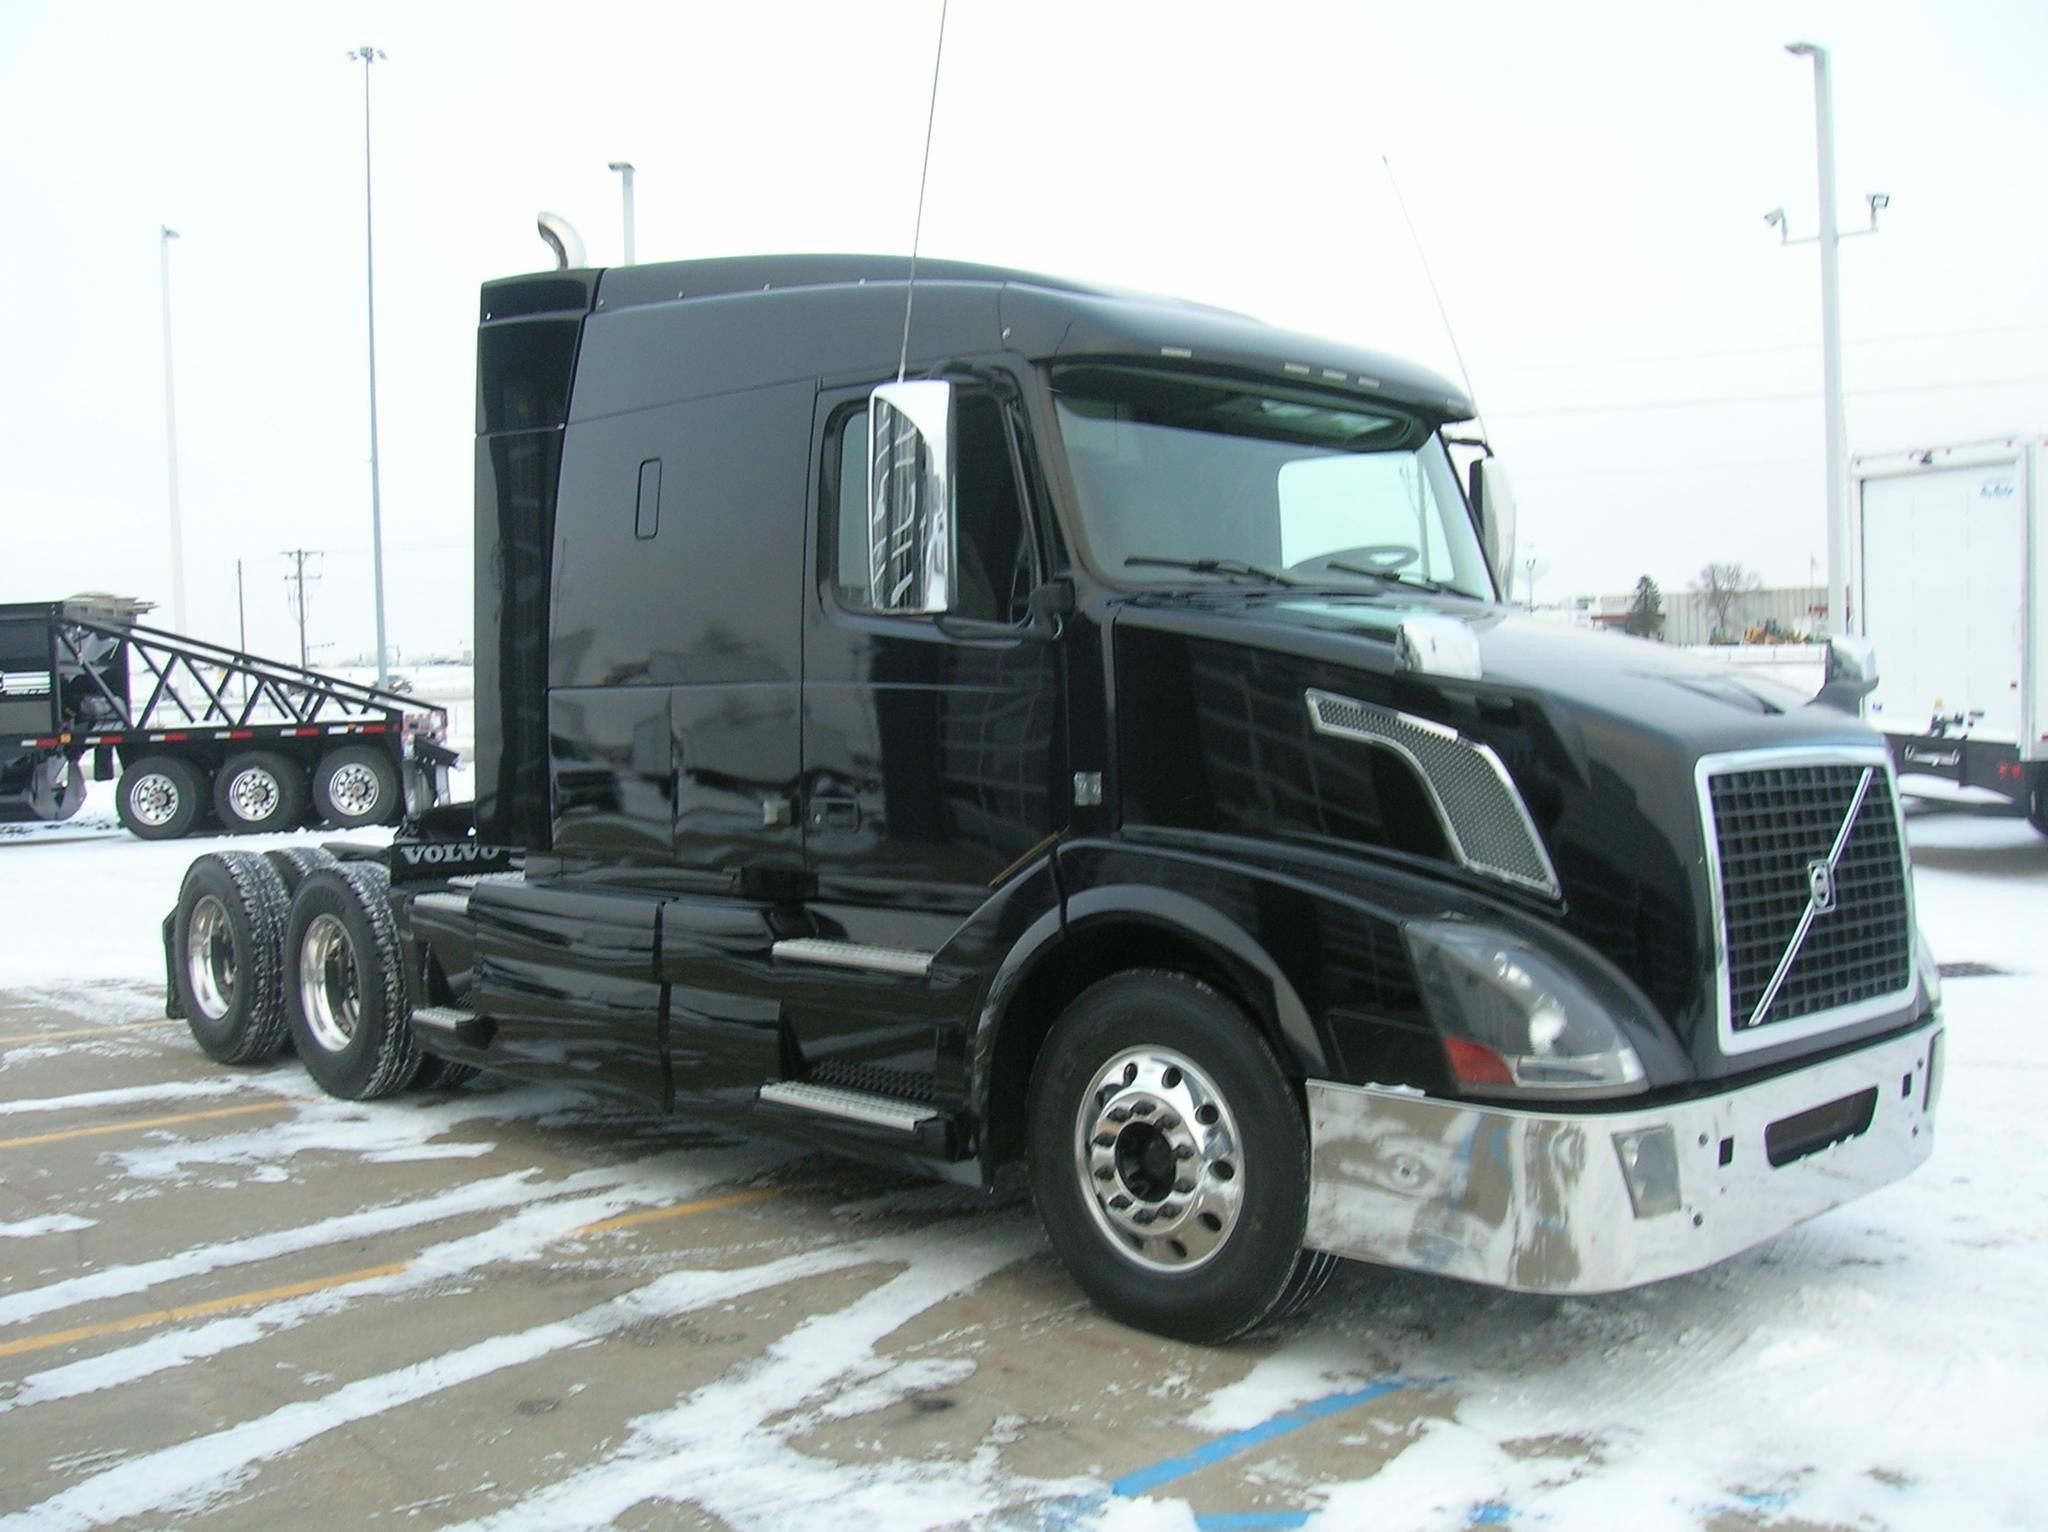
<point x="2037" y="805"/>
<point x="227" y="956"/>
<point x="345" y="984"/>
<point x="294" y="863"/>
<point x="258" y="791"/>
<point x="355" y="786"/>
<point x="160" y="797"/>
<point x="1169" y="1160"/>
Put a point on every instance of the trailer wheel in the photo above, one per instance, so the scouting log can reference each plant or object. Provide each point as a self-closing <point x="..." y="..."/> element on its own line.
<point x="258" y="791"/>
<point x="160" y="797"/>
<point x="344" y="987"/>
<point x="1169" y="1160"/>
<point x="293" y="863"/>
<point x="2037" y="805"/>
<point x="227" y="956"/>
<point x="354" y="786"/>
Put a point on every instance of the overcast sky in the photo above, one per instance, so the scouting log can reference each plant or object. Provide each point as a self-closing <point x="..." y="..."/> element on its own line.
<point x="1588" y="180"/>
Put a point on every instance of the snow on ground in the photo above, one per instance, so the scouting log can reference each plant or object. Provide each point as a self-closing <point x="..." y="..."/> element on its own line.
<point x="1884" y="1366"/>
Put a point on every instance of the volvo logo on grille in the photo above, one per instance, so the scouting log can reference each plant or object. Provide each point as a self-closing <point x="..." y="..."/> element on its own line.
<point x="1820" y="886"/>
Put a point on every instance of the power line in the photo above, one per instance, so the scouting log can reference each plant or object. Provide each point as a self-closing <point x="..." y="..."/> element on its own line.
<point x="1733" y="352"/>
<point x="295" y="585"/>
<point x="1709" y="401"/>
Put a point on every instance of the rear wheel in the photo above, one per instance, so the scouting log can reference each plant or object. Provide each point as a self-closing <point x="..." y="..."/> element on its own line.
<point x="258" y="791"/>
<point x="1170" y="1160"/>
<point x="344" y="987"/>
<point x="293" y="863"/>
<point x="227" y="945"/>
<point x="160" y="797"/>
<point x="356" y="785"/>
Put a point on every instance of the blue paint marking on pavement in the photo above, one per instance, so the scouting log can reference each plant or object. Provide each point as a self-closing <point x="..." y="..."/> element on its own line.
<point x="1251" y="1521"/>
<point x="1286" y="1424"/>
<point x="1491" y="1513"/>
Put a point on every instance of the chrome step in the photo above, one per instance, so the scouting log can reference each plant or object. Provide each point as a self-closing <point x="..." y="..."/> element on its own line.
<point x="811" y="949"/>
<point x="442" y="902"/>
<point x="450" y="1020"/>
<point x="851" y="1105"/>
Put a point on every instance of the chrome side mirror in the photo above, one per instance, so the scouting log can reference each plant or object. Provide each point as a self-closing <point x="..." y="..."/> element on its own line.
<point x="1850" y="674"/>
<point x="1494" y="499"/>
<point x="911" y="533"/>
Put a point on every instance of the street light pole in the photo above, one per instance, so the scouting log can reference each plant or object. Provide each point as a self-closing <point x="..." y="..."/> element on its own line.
<point x="625" y="170"/>
<point x="367" y="56"/>
<point x="165" y="234"/>
<point x="1841" y="618"/>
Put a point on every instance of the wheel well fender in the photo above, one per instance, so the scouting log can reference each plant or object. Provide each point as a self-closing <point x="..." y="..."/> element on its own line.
<point x="1107" y="930"/>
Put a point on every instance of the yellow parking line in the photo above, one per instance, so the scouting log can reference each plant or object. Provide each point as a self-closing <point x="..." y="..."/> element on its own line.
<point x="680" y="1210"/>
<point x="196" y="1310"/>
<point x="51" y="1037"/>
<point x="140" y="1123"/>
<point x="323" y="1284"/>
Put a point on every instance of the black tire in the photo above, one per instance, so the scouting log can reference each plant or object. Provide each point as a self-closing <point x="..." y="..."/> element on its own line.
<point x="1198" y="1254"/>
<point x="160" y="797"/>
<point x="294" y="863"/>
<point x="437" y="1073"/>
<point x="227" y="956"/>
<point x="259" y="791"/>
<point x="357" y="785"/>
<point x="345" y="986"/>
<point x="2037" y="806"/>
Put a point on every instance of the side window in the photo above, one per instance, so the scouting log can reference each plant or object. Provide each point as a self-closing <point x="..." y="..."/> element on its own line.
<point x="997" y="567"/>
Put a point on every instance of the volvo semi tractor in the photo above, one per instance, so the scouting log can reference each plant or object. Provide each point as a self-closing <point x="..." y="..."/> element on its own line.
<point x="1025" y="731"/>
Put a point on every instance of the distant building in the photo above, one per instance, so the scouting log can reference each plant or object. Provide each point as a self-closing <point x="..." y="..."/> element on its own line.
<point x="1796" y="609"/>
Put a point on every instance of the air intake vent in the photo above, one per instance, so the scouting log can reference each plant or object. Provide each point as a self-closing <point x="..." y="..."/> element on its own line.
<point x="1809" y="873"/>
<point x="1484" y="819"/>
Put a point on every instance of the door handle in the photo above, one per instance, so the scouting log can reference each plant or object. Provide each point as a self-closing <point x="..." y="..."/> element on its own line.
<point x="834" y="814"/>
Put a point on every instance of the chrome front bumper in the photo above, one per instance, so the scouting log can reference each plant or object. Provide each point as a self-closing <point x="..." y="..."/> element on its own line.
<point x="1544" y="1202"/>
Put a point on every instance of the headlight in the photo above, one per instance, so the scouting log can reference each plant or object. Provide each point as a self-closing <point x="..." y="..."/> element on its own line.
<point x="1514" y="1020"/>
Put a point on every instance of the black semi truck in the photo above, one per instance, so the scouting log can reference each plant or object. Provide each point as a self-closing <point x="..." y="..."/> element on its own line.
<point x="1024" y="728"/>
<point x="198" y="735"/>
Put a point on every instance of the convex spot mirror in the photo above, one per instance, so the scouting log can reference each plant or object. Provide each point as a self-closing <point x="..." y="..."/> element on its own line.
<point x="1494" y="498"/>
<point x="911" y="532"/>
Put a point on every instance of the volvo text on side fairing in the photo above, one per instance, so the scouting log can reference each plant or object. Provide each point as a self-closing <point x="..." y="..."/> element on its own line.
<point x="1103" y="754"/>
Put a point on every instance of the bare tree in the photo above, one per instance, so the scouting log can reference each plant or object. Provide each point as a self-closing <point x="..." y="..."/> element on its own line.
<point x="1723" y="585"/>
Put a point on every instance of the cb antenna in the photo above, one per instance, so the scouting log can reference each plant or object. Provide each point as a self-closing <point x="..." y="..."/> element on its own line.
<point x="1464" y="375"/>
<point x="923" y="175"/>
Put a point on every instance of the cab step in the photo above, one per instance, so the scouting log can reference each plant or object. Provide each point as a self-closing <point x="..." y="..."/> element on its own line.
<point x="453" y="1023"/>
<point x="852" y="1106"/>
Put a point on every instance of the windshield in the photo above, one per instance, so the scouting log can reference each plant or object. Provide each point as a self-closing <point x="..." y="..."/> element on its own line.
<point x="1186" y="479"/>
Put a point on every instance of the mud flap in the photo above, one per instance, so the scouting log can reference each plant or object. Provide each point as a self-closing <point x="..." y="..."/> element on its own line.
<point x="174" y="1008"/>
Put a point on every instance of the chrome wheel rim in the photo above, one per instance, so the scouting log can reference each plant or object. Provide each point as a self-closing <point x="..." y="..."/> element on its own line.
<point x="353" y="789"/>
<point x="210" y="965"/>
<point x="330" y="990"/>
<point x="253" y="794"/>
<point x="1158" y="1154"/>
<point x="153" y="799"/>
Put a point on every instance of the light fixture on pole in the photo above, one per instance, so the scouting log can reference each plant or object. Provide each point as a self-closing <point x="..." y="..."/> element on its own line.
<point x="625" y="170"/>
<point x="366" y="55"/>
<point x="1841" y="618"/>
<point x="165" y="234"/>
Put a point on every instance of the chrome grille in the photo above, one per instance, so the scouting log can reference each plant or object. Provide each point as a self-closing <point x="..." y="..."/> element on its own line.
<point x="1815" y="909"/>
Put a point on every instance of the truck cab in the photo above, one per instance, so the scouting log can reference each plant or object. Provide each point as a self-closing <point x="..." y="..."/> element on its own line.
<point x="1013" y="725"/>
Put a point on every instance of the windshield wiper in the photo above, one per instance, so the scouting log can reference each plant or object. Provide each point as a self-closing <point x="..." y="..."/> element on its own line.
<point x="1391" y="576"/>
<point x="1211" y="566"/>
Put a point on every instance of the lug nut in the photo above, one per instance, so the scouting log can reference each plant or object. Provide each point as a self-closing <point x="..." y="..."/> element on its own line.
<point x="1120" y="1202"/>
<point x="1183" y="1185"/>
<point x="1183" y="1151"/>
<point x="1143" y="1108"/>
<point x="1167" y="1122"/>
<point x="1119" y="1114"/>
<point x="1105" y="1173"/>
<point x="1105" y="1140"/>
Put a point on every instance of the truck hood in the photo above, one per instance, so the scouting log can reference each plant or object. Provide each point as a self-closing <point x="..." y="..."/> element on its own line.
<point x="1601" y="734"/>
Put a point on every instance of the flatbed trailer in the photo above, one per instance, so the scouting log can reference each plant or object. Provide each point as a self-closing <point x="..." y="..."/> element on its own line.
<point x="198" y="732"/>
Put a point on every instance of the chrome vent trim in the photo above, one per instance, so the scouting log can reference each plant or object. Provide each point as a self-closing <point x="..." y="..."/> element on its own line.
<point x="830" y="954"/>
<point x="1484" y="820"/>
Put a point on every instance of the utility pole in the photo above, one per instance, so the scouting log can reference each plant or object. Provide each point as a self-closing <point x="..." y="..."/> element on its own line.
<point x="368" y="55"/>
<point x="625" y="170"/>
<point x="241" y="613"/>
<point x="165" y="234"/>
<point x="296" y="580"/>
<point x="1840" y="618"/>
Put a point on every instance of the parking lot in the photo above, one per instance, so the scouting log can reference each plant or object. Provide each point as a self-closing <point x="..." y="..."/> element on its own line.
<point x="223" y="1294"/>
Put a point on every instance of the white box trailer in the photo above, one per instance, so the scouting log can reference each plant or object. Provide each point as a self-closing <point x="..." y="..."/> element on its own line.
<point x="1948" y="560"/>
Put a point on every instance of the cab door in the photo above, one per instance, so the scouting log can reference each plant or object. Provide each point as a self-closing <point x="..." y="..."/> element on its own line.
<point x="934" y="746"/>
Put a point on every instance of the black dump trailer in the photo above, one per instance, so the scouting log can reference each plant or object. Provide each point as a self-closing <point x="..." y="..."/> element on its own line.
<point x="198" y="735"/>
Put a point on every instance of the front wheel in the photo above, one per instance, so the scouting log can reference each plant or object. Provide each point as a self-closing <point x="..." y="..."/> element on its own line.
<point x="1169" y="1159"/>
